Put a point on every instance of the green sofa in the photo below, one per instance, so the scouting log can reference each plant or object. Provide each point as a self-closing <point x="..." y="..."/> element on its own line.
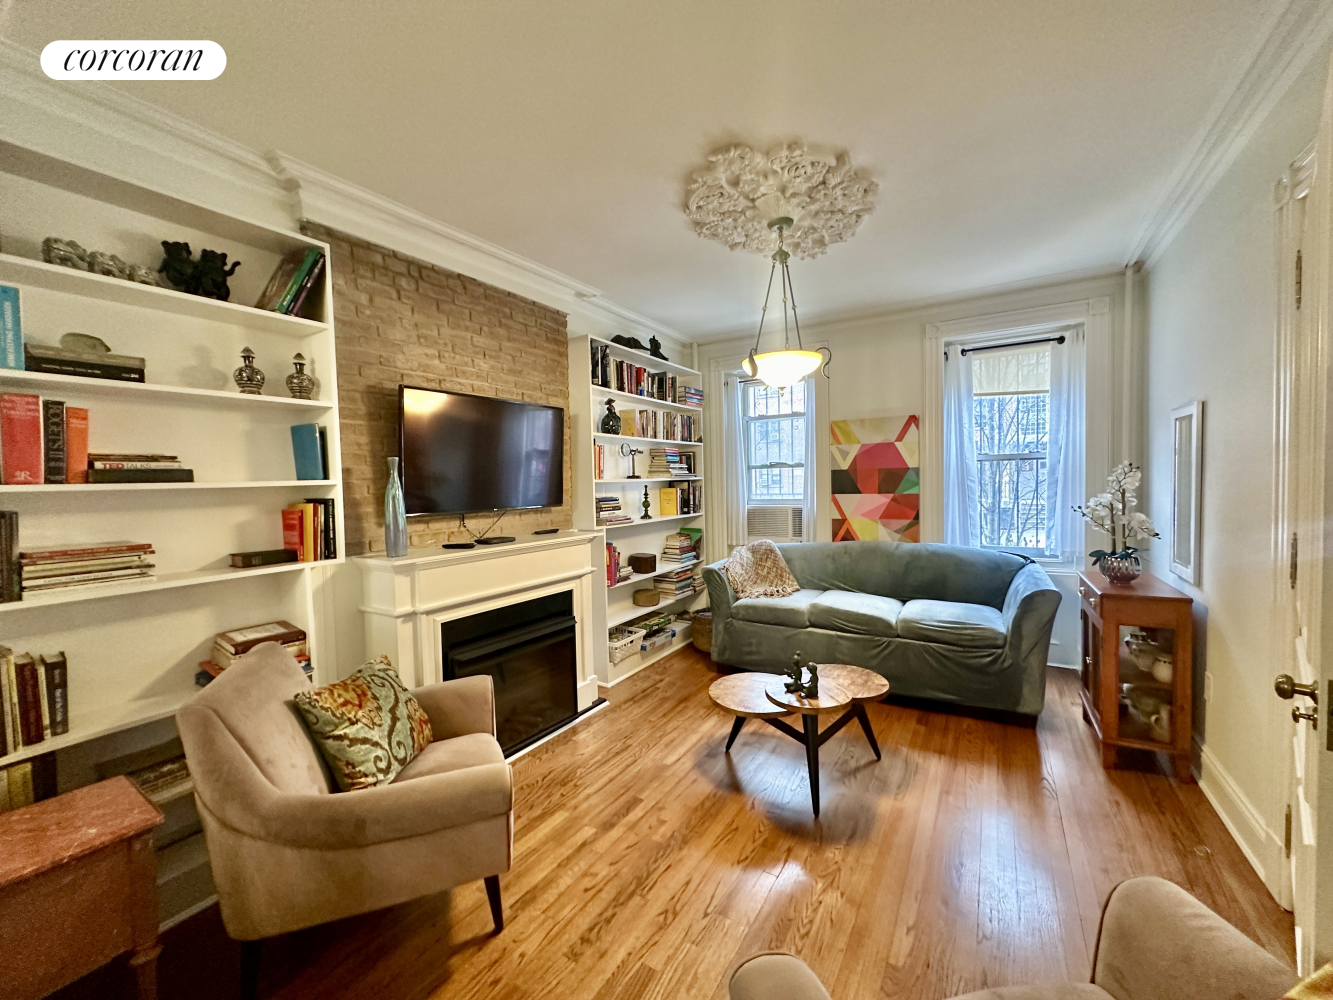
<point x="955" y="624"/>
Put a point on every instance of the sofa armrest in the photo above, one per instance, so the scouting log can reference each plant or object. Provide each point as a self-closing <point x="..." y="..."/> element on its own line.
<point x="775" y="976"/>
<point x="1156" y="940"/>
<point x="459" y="707"/>
<point x="1029" y="612"/>
<point x="720" y="594"/>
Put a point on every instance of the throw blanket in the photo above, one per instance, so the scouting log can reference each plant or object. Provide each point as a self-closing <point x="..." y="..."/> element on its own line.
<point x="758" y="570"/>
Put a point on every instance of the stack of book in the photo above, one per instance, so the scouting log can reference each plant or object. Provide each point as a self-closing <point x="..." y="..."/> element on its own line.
<point x="617" y="571"/>
<point x="42" y="440"/>
<point x="624" y="376"/>
<point x="664" y="463"/>
<point x="310" y="530"/>
<point x="688" y="395"/>
<point x="294" y="277"/>
<point x="679" y="548"/>
<point x="136" y="467"/>
<point x="677" y="584"/>
<point x="85" y="364"/>
<point x="34" y="693"/>
<point x="45" y="570"/>
<point x="609" y="511"/>
<point x="230" y="646"/>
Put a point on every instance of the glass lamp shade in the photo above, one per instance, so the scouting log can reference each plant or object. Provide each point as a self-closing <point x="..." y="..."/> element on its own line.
<point x="779" y="369"/>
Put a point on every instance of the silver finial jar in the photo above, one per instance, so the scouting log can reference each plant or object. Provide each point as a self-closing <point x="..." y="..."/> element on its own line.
<point x="299" y="384"/>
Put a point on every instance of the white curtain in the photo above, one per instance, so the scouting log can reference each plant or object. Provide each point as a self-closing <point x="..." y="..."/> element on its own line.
<point x="1065" y="448"/>
<point x="733" y="463"/>
<point x="959" y="475"/>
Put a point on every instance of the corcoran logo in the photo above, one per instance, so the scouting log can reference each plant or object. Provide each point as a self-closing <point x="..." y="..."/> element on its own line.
<point x="110" y="60"/>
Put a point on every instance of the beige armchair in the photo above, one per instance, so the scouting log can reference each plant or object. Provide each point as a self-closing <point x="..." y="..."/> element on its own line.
<point x="287" y="852"/>
<point x="1156" y="942"/>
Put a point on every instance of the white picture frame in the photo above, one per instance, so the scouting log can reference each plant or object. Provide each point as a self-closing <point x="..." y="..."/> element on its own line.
<point x="1186" y="490"/>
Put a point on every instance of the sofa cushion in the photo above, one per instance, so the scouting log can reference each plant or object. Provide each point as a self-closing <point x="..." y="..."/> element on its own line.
<point x="859" y="614"/>
<point x="793" y="611"/>
<point x="472" y="750"/>
<point x="367" y="725"/>
<point x="971" y="626"/>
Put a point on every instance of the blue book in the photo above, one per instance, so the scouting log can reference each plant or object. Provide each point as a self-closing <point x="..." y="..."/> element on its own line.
<point x="306" y="447"/>
<point x="11" y="328"/>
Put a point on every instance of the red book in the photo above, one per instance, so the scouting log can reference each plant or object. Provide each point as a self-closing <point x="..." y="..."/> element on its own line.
<point x="76" y="444"/>
<point x="29" y="699"/>
<point x="293" y="532"/>
<point x="21" y="438"/>
<point x="83" y="552"/>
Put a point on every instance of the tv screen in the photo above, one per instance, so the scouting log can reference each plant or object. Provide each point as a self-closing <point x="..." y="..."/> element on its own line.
<point x="461" y="453"/>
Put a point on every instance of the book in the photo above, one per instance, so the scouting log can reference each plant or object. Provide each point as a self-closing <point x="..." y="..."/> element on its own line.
<point x="11" y="328"/>
<point x="310" y="281"/>
<point x="307" y="451"/>
<point x="43" y="705"/>
<point x="53" y="440"/>
<point x="20" y="439"/>
<point x="66" y="567"/>
<point x="76" y="444"/>
<point x="221" y="660"/>
<point x="140" y="475"/>
<point x="29" y="699"/>
<point x="327" y="546"/>
<point x="284" y="275"/>
<point x="30" y="556"/>
<point x="8" y="732"/>
<point x="56" y="672"/>
<point x="324" y="449"/>
<point x="57" y="361"/>
<point x="11" y="694"/>
<point x="133" y="465"/>
<point x="266" y="557"/>
<point x="10" y="570"/>
<point x="101" y="576"/>
<point x="242" y="640"/>
<point x="312" y="254"/>
<point x="293" y="532"/>
<point x="18" y="785"/>
<point x="308" y="532"/>
<point x="131" y="456"/>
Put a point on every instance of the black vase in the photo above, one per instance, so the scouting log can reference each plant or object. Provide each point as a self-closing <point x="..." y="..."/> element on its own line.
<point x="611" y="419"/>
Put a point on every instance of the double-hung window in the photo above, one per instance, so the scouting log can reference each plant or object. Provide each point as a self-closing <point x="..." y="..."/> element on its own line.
<point x="1011" y="414"/>
<point x="774" y="433"/>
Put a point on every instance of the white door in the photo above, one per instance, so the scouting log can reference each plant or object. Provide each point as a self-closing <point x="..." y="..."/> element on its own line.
<point x="1308" y="655"/>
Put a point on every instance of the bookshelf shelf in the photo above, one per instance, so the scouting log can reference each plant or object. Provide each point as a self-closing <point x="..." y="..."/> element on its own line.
<point x="641" y="358"/>
<point x="167" y="581"/>
<point x="638" y="523"/>
<point x="623" y="615"/>
<point x="111" y="719"/>
<point x="77" y="386"/>
<point x="55" y="278"/>
<point x="659" y="479"/>
<point x="638" y="440"/>
<point x="636" y="577"/>
<point x="601" y="395"/>
<point x="72" y="488"/>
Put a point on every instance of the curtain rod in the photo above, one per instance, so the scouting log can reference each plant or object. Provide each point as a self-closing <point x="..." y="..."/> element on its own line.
<point x="965" y="351"/>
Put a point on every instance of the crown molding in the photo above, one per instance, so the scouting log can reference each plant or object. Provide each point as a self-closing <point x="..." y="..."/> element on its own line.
<point x="1294" y="36"/>
<point x="322" y="197"/>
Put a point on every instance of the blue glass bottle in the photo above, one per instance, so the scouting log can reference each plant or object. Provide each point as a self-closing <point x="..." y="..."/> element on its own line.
<point x="395" y="515"/>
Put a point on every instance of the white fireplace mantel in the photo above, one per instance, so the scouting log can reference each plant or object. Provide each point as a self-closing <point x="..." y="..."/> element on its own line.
<point x="405" y="600"/>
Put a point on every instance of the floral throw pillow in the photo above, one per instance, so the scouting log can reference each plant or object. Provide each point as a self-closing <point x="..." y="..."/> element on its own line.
<point x="368" y="726"/>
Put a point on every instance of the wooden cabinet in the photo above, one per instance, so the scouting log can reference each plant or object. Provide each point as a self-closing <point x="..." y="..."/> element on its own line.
<point x="1137" y="670"/>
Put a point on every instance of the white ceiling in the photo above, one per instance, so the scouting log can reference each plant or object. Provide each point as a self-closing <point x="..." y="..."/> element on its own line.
<point x="1012" y="139"/>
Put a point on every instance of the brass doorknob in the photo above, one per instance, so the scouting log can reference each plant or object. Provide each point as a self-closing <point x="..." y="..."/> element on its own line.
<point x="1297" y="716"/>
<point x="1287" y="688"/>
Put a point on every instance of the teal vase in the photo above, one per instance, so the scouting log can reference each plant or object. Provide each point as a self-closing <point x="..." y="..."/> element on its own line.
<point x="395" y="515"/>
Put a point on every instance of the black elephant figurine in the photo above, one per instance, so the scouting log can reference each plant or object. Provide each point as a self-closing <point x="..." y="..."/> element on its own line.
<point x="633" y="343"/>
<point x="206" y="276"/>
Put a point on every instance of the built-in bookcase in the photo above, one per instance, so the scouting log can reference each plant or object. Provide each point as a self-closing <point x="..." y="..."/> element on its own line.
<point x="133" y="649"/>
<point x="587" y="404"/>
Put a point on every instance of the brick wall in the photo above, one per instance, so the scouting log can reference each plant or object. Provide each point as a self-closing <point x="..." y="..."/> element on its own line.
<point x="400" y="319"/>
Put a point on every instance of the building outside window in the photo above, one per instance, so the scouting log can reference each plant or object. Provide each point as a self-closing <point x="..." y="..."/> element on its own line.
<point x="775" y="434"/>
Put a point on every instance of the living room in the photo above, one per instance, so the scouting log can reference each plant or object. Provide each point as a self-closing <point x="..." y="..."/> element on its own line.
<point x="618" y="501"/>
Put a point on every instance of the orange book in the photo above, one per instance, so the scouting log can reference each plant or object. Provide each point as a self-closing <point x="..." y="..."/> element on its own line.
<point x="293" y="531"/>
<point x="76" y="444"/>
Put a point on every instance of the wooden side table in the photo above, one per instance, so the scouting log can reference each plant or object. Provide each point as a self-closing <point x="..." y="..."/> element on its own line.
<point x="78" y="886"/>
<point x="1126" y="704"/>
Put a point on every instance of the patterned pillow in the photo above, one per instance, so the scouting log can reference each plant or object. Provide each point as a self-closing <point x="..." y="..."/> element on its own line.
<point x="758" y="570"/>
<point x="367" y="726"/>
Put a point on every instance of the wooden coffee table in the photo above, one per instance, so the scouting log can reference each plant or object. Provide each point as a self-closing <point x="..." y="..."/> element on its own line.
<point x="842" y="688"/>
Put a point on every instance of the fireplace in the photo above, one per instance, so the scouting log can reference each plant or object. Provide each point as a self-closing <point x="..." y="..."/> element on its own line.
<point x="529" y="650"/>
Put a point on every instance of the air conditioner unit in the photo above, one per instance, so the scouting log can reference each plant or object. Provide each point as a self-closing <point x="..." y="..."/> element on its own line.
<point x="778" y="524"/>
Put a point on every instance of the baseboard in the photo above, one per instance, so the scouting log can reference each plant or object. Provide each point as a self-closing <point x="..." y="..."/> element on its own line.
<point x="184" y="915"/>
<point x="1261" y="846"/>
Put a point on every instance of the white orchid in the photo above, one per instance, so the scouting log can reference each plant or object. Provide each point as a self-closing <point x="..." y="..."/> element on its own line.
<point x="1110" y="512"/>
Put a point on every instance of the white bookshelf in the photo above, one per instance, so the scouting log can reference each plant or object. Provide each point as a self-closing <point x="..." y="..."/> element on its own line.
<point x="613" y="606"/>
<point x="133" y="647"/>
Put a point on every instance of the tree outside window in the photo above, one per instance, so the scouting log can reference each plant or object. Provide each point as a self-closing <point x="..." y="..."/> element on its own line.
<point x="775" y="443"/>
<point x="1011" y="396"/>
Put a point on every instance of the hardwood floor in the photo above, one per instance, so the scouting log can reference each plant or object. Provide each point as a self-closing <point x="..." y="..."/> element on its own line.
<point x="648" y="863"/>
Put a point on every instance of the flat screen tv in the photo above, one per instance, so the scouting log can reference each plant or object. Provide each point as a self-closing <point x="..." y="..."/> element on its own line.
<point x="462" y="453"/>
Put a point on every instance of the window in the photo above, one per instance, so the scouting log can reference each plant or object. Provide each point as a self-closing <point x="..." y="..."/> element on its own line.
<point x="1011" y="413"/>
<point x="774" y="432"/>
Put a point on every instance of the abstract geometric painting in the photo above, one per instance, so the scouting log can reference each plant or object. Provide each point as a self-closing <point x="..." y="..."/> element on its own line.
<point x="876" y="480"/>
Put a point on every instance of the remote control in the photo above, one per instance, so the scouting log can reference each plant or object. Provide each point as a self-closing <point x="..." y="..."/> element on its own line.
<point x="459" y="545"/>
<point x="546" y="531"/>
<point x="496" y="540"/>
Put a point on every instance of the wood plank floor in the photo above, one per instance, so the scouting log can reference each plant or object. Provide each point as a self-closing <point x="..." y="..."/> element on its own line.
<point x="648" y="864"/>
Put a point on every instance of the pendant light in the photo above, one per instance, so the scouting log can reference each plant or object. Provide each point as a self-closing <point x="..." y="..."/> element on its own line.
<point x="780" y="369"/>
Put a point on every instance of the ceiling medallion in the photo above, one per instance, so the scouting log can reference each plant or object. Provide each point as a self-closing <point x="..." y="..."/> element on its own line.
<point x="741" y="191"/>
